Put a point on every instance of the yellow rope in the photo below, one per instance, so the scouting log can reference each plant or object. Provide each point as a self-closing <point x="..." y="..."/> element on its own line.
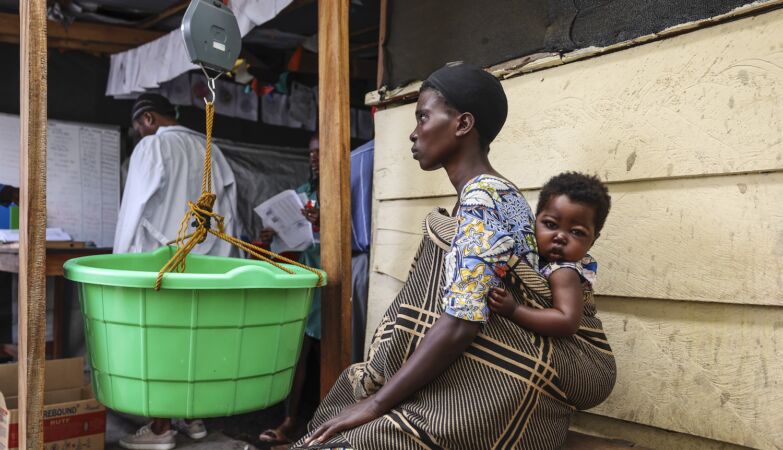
<point x="201" y="216"/>
<point x="206" y="181"/>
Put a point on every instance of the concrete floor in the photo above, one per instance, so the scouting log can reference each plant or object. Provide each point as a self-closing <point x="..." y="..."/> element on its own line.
<point x="215" y="441"/>
<point x="247" y="426"/>
<point x="238" y="432"/>
<point x="241" y="432"/>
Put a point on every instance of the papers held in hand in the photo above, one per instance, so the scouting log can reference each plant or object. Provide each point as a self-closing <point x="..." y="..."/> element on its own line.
<point x="283" y="213"/>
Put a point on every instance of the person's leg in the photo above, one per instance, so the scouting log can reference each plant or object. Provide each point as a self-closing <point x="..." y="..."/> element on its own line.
<point x="192" y="428"/>
<point x="295" y="398"/>
<point x="156" y="435"/>
<point x="282" y="432"/>
<point x="312" y="258"/>
<point x="160" y="426"/>
<point x="360" y="272"/>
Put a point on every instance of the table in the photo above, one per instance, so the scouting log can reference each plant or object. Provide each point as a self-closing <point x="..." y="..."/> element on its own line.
<point x="56" y="255"/>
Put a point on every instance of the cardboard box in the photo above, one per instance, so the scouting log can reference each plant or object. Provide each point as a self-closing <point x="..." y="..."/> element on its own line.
<point x="73" y="419"/>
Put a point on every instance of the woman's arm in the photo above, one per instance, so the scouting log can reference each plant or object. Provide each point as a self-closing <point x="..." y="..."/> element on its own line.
<point x="560" y="321"/>
<point x="480" y="243"/>
<point x="448" y="338"/>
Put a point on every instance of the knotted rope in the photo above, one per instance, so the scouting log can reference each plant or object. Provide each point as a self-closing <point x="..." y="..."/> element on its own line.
<point x="201" y="217"/>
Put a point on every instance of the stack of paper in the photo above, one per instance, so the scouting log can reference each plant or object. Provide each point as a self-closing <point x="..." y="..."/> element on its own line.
<point x="283" y="213"/>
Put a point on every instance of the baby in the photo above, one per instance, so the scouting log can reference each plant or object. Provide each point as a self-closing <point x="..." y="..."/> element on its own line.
<point x="571" y="211"/>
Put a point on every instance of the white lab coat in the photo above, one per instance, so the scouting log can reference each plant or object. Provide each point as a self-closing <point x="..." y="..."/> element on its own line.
<point x="165" y="172"/>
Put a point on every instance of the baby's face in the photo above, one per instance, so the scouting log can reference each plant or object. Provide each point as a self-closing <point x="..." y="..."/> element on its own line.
<point x="565" y="230"/>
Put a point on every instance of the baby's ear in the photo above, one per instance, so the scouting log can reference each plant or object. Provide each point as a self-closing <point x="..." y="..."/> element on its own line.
<point x="597" y="235"/>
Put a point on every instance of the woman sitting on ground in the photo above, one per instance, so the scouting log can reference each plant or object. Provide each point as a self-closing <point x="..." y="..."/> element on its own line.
<point x="442" y="372"/>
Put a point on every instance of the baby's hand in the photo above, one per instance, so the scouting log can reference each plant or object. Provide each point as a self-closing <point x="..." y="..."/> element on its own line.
<point x="501" y="302"/>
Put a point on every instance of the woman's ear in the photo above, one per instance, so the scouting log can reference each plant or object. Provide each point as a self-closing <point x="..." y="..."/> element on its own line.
<point x="465" y="123"/>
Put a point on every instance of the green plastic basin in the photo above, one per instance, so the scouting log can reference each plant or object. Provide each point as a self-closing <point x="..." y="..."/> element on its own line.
<point x="221" y="338"/>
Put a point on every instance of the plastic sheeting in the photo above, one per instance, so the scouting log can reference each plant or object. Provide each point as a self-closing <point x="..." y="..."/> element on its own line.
<point x="261" y="172"/>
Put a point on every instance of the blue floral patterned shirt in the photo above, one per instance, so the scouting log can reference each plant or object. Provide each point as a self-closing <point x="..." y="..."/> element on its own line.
<point x="495" y="222"/>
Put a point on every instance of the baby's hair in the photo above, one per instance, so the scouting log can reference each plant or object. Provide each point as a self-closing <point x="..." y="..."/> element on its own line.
<point x="579" y="188"/>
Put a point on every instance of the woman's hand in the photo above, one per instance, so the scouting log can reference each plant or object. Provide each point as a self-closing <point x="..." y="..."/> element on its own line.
<point x="501" y="302"/>
<point x="446" y="341"/>
<point x="353" y="416"/>
<point x="313" y="215"/>
<point x="267" y="234"/>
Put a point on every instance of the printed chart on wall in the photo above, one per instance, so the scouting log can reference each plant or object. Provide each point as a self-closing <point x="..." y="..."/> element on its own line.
<point x="83" y="176"/>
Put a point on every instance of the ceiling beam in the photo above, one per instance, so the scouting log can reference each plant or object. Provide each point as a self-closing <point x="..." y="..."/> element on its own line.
<point x="294" y="5"/>
<point x="382" y="42"/>
<point x="176" y="9"/>
<point x="364" y="30"/>
<point x="67" y="44"/>
<point x="359" y="47"/>
<point x="82" y="35"/>
<point x="359" y="68"/>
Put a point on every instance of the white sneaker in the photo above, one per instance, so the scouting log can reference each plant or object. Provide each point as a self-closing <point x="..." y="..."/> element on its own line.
<point x="145" y="439"/>
<point x="194" y="430"/>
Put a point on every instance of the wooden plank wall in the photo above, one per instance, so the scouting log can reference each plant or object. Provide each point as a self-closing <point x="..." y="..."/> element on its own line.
<point x="688" y="132"/>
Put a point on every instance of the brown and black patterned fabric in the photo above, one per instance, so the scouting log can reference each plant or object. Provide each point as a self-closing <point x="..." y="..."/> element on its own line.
<point x="512" y="389"/>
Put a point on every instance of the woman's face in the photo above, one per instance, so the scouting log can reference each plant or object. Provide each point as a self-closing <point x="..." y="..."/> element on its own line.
<point x="434" y="138"/>
<point x="315" y="160"/>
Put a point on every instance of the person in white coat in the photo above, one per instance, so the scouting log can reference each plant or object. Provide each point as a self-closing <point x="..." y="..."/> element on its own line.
<point x="164" y="173"/>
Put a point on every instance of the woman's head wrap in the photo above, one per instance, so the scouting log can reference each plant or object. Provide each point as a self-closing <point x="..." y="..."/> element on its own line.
<point x="470" y="89"/>
<point x="152" y="102"/>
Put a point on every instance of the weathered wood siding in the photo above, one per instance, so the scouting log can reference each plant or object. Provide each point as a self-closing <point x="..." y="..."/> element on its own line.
<point x="688" y="132"/>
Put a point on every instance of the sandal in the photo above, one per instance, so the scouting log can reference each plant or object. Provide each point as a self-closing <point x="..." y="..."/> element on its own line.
<point x="272" y="436"/>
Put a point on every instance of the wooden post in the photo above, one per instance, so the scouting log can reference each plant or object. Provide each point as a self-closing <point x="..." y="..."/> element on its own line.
<point x="32" y="224"/>
<point x="335" y="189"/>
<point x="382" y="42"/>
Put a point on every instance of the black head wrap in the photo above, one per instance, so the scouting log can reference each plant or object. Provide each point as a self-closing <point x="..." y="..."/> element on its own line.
<point x="471" y="89"/>
<point x="152" y="102"/>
